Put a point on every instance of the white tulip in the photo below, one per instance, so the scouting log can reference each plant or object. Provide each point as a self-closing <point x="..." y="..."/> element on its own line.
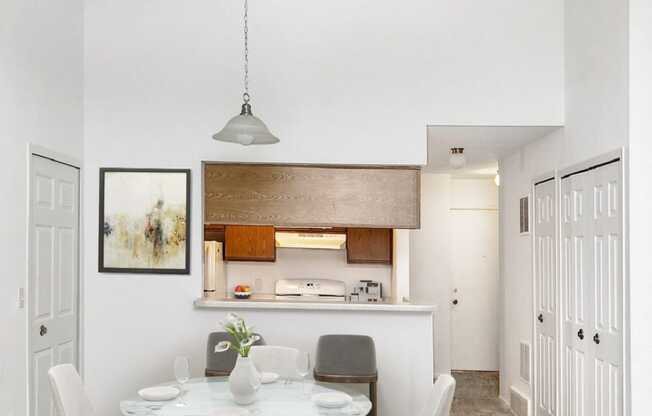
<point x="248" y="342"/>
<point x="222" y="346"/>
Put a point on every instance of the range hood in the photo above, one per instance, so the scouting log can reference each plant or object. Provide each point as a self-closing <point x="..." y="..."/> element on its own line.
<point x="297" y="239"/>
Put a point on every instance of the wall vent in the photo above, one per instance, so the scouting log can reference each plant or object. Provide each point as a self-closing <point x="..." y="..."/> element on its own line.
<point x="524" y="215"/>
<point x="519" y="403"/>
<point x="525" y="361"/>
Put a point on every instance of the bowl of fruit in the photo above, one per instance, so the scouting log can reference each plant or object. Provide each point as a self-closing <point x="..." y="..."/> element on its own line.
<point x="242" y="292"/>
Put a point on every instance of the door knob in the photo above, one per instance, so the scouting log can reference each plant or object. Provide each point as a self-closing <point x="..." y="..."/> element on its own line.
<point x="596" y="338"/>
<point x="455" y="301"/>
<point x="44" y="330"/>
<point x="580" y="334"/>
<point x="540" y="317"/>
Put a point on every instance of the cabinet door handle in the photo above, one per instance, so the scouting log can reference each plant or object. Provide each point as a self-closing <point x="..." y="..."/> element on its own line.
<point x="580" y="334"/>
<point x="596" y="338"/>
<point x="540" y="317"/>
<point x="43" y="330"/>
<point x="455" y="302"/>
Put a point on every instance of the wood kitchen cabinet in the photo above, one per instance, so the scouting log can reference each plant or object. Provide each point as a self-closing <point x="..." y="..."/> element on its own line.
<point x="312" y="195"/>
<point x="369" y="245"/>
<point x="249" y="243"/>
<point x="214" y="232"/>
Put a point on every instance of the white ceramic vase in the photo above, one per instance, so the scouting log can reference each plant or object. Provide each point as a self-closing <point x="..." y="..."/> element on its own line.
<point x="244" y="381"/>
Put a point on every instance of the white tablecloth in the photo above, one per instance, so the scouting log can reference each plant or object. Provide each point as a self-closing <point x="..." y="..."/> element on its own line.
<point x="275" y="399"/>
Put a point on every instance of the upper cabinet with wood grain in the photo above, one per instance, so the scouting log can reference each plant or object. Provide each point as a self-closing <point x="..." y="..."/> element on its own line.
<point x="311" y="195"/>
<point x="249" y="243"/>
<point x="369" y="245"/>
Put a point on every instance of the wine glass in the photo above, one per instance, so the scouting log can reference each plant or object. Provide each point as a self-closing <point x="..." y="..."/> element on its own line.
<point x="303" y="368"/>
<point x="182" y="374"/>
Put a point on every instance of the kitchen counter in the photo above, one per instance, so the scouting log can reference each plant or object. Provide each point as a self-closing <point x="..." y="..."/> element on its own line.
<point x="270" y="302"/>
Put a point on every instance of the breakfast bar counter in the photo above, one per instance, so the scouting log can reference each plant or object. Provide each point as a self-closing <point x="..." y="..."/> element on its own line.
<point x="271" y="302"/>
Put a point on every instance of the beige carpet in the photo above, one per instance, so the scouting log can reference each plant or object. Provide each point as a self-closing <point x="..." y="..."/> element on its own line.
<point x="476" y="394"/>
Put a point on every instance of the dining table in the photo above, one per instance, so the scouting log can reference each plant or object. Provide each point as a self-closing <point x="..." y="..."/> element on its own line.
<point x="211" y="397"/>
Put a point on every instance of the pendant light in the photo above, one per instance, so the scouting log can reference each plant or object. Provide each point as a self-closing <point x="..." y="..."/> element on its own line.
<point x="246" y="128"/>
<point x="457" y="159"/>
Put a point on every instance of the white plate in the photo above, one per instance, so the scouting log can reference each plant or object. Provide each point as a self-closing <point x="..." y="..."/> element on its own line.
<point x="159" y="393"/>
<point x="332" y="400"/>
<point x="229" y="411"/>
<point x="266" y="378"/>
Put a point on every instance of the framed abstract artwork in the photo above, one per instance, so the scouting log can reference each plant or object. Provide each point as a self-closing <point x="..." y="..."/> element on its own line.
<point x="144" y="224"/>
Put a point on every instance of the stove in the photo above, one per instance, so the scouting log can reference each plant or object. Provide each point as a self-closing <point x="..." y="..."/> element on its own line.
<point x="311" y="290"/>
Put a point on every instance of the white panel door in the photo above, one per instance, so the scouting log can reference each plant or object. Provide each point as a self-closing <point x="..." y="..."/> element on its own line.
<point x="592" y="290"/>
<point x="474" y="313"/>
<point x="576" y="285"/>
<point x="53" y="279"/>
<point x="607" y="333"/>
<point x="545" y="243"/>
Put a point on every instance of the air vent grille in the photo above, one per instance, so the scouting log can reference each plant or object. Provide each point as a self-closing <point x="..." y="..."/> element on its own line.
<point x="524" y="214"/>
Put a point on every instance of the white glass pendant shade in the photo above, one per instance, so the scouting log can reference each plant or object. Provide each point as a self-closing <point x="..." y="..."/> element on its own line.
<point x="246" y="129"/>
<point x="457" y="159"/>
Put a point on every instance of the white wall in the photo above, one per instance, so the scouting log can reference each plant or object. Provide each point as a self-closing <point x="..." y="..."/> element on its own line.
<point x="41" y="95"/>
<point x="338" y="82"/>
<point x="430" y="262"/>
<point x="293" y="263"/>
<point x="432" y="265"/>
<point x="640" y="154"/>
<point x="596" y="65"/>
<point x="516" y="173"/>
<point x="360" y="76"/>
<point x="40" y="102"/>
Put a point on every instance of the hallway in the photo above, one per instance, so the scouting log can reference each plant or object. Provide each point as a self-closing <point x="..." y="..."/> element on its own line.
<point x="476" y="394"/>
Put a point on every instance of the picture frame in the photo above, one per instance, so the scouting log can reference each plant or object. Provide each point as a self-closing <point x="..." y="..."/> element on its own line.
<point x="524" y="215"/>
<point x="144" y="221"/>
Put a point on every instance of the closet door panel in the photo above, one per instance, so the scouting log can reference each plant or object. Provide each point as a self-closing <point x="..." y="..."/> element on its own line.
<point x="607" y="336"/>
<point x="576" y="281"/>
<point x="546" y="289"/>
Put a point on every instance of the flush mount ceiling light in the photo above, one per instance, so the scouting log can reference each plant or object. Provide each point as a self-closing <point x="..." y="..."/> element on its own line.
<point x="457" y="159"/>
<point x="246" y="128"/>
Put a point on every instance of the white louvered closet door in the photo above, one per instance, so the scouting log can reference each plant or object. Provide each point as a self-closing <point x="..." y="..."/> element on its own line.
<point x="545" y="280"/>
<point x="591" y="287"/>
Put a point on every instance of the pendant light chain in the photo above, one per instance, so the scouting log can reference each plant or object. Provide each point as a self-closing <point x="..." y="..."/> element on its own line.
<point x="245" y="128"/>
<point x="246" y="96"/>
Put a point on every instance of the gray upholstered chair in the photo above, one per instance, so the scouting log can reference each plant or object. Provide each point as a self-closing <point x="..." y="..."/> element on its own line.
<point x="220" y="364"/>
<point x="348" y="359"/>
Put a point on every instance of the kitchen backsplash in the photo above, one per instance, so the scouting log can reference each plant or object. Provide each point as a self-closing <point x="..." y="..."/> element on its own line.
<point x="305" y="264"/>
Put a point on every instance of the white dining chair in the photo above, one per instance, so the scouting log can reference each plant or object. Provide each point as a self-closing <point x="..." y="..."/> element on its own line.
<point x="68" y="390"/>
<point x="276" y="359"/>
<point x="441" y="398"/>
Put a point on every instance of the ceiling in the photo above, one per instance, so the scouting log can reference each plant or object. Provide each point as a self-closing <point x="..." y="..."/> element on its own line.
<point x="483" y="145"/>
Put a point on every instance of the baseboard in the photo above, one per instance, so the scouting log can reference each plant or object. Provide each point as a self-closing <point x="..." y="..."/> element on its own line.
<point x="518" y="402"/>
